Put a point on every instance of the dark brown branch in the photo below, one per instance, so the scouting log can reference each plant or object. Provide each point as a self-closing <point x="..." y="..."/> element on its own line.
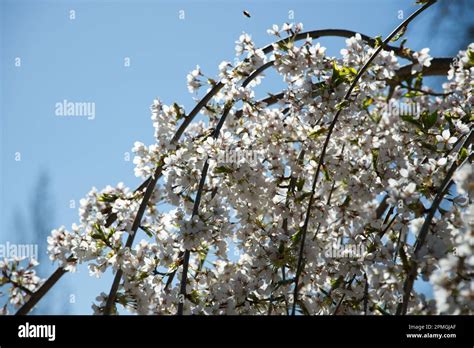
<point x="382" y="207"/>
<point x="366" y="293"/>
<point x="290" y="191"/>
<point x="187" y="252"/>
<point x="339" y="304"/>
<point x="315" y="34"/>
<point x="136" y="223"/>
<point x="422" y="91"/>
<point x="439" y="66"/>
<point x="38" y="294"/>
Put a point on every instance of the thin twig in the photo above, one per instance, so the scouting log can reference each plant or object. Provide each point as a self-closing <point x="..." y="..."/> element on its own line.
<point x="339" y="304"/>
<point x="187" y="252"/>
<point x="38" y="294"/>
<point x="136" y="223"/>
<point x="16" y="284"/>
<point x="299" y="266"/>
<point x="366" y="294"/>
<point x="434" y="94"/>
<point x="289" y="192"/>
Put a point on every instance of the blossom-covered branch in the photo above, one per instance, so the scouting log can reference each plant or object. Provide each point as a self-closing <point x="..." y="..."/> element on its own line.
<point x="265" y="206"/>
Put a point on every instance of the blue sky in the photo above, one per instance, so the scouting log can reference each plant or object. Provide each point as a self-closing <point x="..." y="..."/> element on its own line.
<point x="82" y="60"/>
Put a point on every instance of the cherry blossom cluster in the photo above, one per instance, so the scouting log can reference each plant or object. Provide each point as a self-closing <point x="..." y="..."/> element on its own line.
<point x="17" y="277"/>
<point x="452" y="280"/>
<point x="243" y="222"/>
<point x="97" y="238"/>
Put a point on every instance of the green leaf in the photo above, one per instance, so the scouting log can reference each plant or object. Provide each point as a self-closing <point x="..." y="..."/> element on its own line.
<point x="378" y="41"/>
<point x="375" y="157"/>
<point x="412" y="94"/>
<point x="342" y="74"/>
<point x="96" y="235"/>
<point x="260" y="224"/>
<point x="336" y="283"/>
<point x="302" y="197"/>
<point x="142" y="275"/>
<point x="222" y="169"/>
<point x="463" y="154"/>
<point x="296" y="237"/>
<point x="410" y="119"/>
<point x="402" y="44"/>
<point x="470" y="56"/>
<point x="99" y="234"/>
<point x="147" y="230"/>
<point x="285" y="45"/>
<point x="429" y="146"/>
<point x="352" y="71"/>
<point x="399" y="34"/>
<point x="111" y="233"/>
<point x="371" y="248"/>
<point x="428" y="119"/>
<point x="326" y="173"/>
<point x="194" y="296"/>
<point x="300" y="184"/>
<point x="419" y="81"/>
<point x="315" y="134"/>
<point x="107" y="197"/>
<point x="342" y="104"/>
<point x="212" y="82"/>
<point x="178" y="111"/>
<point x="202" y="257"/>
<point x="367" y="102"/>
<point x="98" y="228"/>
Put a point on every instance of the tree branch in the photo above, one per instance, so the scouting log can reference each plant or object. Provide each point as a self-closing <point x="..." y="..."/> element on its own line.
<point x="413" y="271"/>
<point x="136" y="223"/>
<point x="38" y="294"/>
<point x="16" y="284"/>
